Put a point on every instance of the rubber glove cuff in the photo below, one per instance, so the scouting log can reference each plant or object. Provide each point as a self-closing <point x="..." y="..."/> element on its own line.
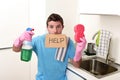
<point x="79" y="48"/>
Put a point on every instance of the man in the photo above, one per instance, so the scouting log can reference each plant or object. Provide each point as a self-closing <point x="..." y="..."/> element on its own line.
<point x="48" y="67"/>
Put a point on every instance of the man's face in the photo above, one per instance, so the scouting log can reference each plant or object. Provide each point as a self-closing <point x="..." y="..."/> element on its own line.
<point x="54" y="27"/>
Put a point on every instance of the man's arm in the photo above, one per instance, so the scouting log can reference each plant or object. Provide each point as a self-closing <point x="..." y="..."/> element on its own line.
<point x="78" y="53"/>
<point x="76" y="63"/>
<point x="16" y="49"/>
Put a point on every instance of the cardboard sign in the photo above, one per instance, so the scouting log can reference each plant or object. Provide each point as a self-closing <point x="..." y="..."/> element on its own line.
<point x="55" y="40"/>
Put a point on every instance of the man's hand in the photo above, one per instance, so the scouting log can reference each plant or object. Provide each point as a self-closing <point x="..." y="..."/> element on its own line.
<point x="27" y="35"/>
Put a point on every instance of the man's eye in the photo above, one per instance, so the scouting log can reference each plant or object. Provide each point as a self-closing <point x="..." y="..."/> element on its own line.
<point x="58" y="26"/>
<point x="51" y="26"/>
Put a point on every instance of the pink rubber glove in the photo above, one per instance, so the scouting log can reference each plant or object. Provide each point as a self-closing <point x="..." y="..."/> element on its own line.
<point x="27" y="35"/>
<point x="79" y="48"/>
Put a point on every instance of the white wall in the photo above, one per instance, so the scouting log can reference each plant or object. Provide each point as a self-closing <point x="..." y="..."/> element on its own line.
<point x="112" y="23"/>
<point x="37" y="16"/>
<point x="14" y="18"/>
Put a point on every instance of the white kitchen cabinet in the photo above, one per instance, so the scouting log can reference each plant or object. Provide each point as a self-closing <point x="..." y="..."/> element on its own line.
<point x="102" y="7"/>
<point x="12" y="68"/>
<point x="71" y="75"/>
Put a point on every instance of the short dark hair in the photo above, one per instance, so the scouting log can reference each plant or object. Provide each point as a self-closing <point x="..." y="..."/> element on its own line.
<point x="55" y="17"/>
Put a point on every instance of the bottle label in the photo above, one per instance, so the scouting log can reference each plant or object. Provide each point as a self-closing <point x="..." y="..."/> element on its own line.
<point x="27" y="45"/>
<point x="26" y="54"/>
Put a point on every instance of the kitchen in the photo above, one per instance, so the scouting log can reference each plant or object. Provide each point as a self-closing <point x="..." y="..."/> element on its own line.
<point x="26" y="71"/>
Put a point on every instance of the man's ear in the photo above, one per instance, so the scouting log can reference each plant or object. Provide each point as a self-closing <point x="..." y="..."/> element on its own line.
<point x="63" y="26"/>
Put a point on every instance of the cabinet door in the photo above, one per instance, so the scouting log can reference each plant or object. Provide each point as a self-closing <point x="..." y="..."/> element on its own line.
<point x="107" y="7"/>
<point x="12" y="68"/>
<point x="71" y="75"/>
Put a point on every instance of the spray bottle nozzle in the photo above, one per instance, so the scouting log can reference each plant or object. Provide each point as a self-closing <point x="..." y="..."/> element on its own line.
<point x="29" y="29"/>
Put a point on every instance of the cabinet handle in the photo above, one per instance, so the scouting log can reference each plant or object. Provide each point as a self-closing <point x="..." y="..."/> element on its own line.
<point x="5" y="48"/>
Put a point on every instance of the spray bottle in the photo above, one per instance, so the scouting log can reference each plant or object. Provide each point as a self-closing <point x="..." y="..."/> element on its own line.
<point x="26" y="51"/>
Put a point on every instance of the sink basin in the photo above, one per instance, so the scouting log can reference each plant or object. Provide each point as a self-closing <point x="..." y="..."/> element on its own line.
<point x="97" y="68"/>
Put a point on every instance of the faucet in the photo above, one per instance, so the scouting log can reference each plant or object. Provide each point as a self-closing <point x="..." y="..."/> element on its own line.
<point x="108" y="58"/>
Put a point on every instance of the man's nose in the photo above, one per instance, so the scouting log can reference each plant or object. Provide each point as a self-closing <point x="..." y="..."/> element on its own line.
<point x="55" y="30"/>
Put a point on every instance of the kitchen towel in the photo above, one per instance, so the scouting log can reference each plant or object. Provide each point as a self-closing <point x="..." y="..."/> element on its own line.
<point x="103" y="42"/>
<point x="61" y="52"/>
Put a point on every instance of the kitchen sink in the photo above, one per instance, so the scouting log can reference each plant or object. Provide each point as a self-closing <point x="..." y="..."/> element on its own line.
<point x="97" y="68"/>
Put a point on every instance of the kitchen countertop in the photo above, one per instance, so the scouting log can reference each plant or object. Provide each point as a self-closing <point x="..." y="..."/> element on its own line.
<point x="88" y="76"/>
